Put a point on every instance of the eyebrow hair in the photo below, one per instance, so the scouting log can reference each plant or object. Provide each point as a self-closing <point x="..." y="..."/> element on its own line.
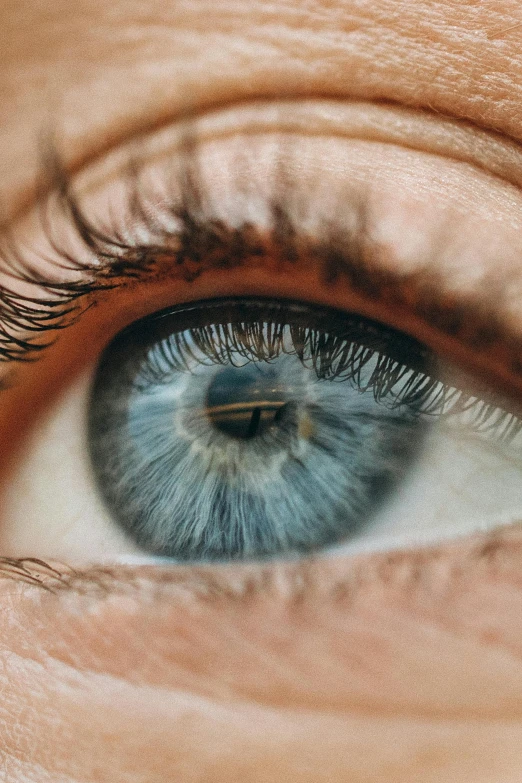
<point x="30" y="323"/>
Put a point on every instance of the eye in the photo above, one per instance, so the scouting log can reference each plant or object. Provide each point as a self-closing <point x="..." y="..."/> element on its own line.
<point x="261" y="377"/>
<point x="246" y="428"/>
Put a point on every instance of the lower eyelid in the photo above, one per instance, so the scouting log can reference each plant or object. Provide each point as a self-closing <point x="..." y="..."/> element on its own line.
<point x="358" y="614"/>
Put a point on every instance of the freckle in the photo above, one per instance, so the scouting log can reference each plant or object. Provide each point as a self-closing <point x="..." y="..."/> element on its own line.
<point x="341" y="592"/>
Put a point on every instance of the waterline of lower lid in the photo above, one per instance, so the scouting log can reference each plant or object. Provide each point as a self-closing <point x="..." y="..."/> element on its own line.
<point x="424" y="539"/>
<point x="369" y="546"/>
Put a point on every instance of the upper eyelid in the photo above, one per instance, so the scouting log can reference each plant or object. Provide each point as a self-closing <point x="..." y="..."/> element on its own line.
<point x="441" y="317"/>
<point x="485" y="147"/>
<point x="453" y="138"/>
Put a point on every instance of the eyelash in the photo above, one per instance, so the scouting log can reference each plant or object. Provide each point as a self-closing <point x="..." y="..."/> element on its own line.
<point x="198" y="243"/>
<point x="397" y="369"/>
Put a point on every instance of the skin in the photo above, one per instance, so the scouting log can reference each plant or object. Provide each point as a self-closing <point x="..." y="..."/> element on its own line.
<point x="382" y="667"/>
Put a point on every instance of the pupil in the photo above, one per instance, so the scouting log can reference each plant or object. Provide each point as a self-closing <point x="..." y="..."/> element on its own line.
<point x="244" y="402"/>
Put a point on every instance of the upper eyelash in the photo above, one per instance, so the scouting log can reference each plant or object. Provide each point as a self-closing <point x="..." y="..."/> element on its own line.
<point x="402" y="373"/>
<point x="55" y="304"/>
<point x="24" y="317"/>
<point x="202" y="242"/>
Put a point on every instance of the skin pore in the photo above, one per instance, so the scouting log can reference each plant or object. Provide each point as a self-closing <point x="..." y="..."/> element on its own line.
<point x="400" y="666"/>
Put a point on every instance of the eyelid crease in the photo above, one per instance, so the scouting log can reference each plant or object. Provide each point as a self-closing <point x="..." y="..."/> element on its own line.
<point x="421" y="128"/>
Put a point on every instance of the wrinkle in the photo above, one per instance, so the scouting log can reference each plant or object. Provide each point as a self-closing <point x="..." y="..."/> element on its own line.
<point x="340" y="634"/>
<point x="338" y="42"/>
<point x="140" y="666"/>
<point x="240" y="742"/>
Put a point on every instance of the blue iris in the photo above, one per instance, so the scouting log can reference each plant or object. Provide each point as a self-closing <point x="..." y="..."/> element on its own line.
<point x="261" y="430"/>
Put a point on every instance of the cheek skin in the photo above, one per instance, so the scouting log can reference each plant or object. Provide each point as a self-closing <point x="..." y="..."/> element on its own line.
<point x="395" y="667"/>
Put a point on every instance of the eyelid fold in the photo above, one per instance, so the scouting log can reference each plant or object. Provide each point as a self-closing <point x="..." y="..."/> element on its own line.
<point x="152" y="233"/>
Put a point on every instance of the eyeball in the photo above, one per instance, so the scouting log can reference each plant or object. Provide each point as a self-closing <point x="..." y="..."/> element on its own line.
<point x="242" y="428"/>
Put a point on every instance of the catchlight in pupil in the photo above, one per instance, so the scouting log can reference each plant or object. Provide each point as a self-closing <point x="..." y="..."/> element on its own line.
<point x="243" y="402"/>
<point x="247" y="428"/>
